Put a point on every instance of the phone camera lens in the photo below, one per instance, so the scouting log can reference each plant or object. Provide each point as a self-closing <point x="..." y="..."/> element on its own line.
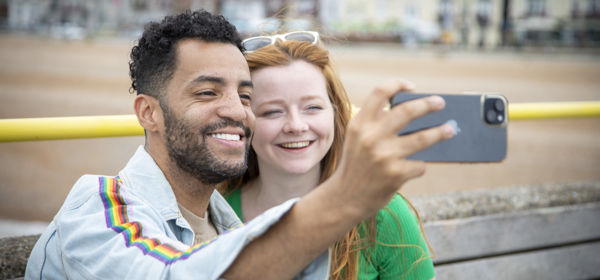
<point x="499" y="105"/>
<point x="491" y="116"/>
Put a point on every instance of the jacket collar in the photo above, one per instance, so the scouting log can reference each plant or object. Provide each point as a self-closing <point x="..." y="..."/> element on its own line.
<point x="143" y="177"/>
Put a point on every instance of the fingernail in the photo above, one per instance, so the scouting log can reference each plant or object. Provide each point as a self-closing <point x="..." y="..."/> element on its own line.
<point x="437" y="101"/>
<point x="448" y="131"/>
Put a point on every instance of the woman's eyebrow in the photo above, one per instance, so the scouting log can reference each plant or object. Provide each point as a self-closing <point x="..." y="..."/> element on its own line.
<point x="310" y="97"/>
<point x="272" y="102"/>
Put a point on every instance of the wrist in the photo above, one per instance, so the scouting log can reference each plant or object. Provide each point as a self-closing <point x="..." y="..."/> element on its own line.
<point x="342" y="200"/>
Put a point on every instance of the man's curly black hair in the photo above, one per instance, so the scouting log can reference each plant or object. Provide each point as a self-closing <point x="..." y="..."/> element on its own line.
<point x="153" y="59"/>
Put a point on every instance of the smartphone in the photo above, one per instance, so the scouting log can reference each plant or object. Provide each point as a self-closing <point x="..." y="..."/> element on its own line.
<point x="479" y="122"/>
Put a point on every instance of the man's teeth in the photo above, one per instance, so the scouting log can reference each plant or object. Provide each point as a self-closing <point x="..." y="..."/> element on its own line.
<point x="231" y="137"/>
<point x="295" y="144"/>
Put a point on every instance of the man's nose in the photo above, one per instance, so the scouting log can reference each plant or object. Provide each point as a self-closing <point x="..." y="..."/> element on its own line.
<point x="231" y="107"/>
<point x="295" y="123"/>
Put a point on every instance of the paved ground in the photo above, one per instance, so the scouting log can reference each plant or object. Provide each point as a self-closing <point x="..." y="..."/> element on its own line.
<point x="40" y="78"/>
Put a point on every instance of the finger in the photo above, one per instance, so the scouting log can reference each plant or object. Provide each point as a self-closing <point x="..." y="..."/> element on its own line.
<point x="380" y="97"/>
<point x="404" y="87"/>
<point x="407" y="86"/>
<point x="410" y="144"/>
<point x="408" y="169"/>
<point x="402" y="114"/>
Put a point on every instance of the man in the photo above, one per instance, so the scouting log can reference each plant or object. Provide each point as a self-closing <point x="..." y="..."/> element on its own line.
<point x="161" y="217"/>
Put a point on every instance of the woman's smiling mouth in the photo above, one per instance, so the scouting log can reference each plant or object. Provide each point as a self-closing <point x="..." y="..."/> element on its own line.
<point x="295" y="145"/>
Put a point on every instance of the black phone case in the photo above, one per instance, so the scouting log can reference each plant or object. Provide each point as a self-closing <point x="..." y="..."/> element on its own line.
<point x="475" y="140"/>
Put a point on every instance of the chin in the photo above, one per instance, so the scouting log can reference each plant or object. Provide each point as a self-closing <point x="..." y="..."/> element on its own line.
<point x="234" y="162"/>
<point x="299" y="169"/>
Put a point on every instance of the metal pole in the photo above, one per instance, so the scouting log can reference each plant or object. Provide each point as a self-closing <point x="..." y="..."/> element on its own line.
<point x="553" y="110"/>
<point x="506" y="24"/>
<point x="32" y="129"/>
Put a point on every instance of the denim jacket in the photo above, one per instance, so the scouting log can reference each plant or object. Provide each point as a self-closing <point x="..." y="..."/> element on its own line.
<point x="130" y="227"/>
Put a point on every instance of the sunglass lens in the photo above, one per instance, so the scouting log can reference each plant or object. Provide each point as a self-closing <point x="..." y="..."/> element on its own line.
<point x="300" y="36"/>
<point x="256" y="43"/>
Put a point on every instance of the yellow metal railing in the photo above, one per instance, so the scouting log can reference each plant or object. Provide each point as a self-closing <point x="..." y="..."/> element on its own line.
<point x="30" y="129"/>
<point x="549" y="110"/>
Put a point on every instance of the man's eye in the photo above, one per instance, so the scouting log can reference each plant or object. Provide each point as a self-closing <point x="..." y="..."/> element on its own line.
<point x="206" y="93"/>
<point x="271" y="113"/>
<point x="245" y="97"/>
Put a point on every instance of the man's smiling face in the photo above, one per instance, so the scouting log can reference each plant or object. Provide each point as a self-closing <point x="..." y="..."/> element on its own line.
<point x="207" y="114"/>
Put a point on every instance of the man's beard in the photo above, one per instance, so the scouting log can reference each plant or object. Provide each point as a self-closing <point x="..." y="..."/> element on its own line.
<point x="196" y="158"/>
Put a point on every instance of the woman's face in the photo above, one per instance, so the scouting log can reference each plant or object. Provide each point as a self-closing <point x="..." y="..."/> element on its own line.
<point x="294" y="117"/>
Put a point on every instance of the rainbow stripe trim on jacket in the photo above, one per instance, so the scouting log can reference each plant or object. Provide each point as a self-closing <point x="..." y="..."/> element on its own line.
<point x="115" y="211"/>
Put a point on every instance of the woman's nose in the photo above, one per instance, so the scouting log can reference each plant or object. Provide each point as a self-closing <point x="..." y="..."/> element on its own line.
<point x="295" y="124"/>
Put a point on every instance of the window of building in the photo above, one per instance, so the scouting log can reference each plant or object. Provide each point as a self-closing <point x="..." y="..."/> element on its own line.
<point x="593" y="9"/>
<point x="536" y="8"/>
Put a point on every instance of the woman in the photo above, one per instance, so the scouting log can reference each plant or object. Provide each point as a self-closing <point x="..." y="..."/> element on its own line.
<point x="302" y="111"/>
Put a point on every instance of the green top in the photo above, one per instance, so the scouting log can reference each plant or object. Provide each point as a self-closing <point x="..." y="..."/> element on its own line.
<point x="399" y="252"/>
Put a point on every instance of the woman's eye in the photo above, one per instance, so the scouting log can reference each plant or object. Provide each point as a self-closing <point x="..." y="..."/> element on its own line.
<point x="314" y="108"/>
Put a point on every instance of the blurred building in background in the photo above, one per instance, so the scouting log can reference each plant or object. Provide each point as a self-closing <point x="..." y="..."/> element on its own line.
<point x="461" y="23"/>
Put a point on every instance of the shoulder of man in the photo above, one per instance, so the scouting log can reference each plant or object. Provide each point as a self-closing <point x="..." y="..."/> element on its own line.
<point x="94" y="227"/>
<point x="86" y="187"/>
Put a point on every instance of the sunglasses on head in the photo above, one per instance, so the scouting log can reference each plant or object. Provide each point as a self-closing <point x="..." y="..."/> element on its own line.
<point x="254" y="43"/>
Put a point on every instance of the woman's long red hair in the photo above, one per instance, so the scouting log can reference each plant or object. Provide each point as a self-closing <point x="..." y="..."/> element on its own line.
<point x="345" y="252"/>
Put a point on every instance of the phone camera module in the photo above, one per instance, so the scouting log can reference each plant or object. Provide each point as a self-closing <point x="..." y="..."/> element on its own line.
<point x="494" y="111"/>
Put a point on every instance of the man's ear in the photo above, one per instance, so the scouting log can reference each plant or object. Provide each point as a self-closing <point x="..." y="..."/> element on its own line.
<point x="148" y="112"/>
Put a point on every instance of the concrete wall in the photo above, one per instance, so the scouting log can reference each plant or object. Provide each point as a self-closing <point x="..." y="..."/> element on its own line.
<point x="543" y="232"/>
